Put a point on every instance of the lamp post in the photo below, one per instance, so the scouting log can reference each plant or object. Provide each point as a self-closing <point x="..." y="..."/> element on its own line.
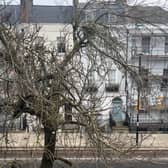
<point x="126" y="81"/>
<point x="138" y="104"/>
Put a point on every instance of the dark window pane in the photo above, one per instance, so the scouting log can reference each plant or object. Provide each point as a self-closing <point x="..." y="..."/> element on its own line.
<point x="61" y="47"/>
<point x="61" y="44"/>
<point x="166" y="44"/>
<point x="146" y="44"/>
<point x="68" y="112"/>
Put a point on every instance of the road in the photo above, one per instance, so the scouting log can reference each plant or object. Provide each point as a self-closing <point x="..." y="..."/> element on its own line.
<point x="142" y="163"/>
<point x="144" y="158"/>
<point x="127" y="164"/>
<point x="89" y="152"/>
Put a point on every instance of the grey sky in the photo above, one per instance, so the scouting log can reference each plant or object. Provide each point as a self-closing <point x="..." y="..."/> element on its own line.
<point x="69" y="2"/>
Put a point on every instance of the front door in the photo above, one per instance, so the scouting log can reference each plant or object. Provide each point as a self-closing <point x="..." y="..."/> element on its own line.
<point x="117" y="111"/>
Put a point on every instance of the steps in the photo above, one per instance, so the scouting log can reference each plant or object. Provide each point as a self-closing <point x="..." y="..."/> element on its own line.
<point x="120" y="129"/>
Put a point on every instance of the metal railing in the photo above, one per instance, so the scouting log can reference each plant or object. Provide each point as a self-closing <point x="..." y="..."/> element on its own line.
<point x="145" y="119"/>
<point x="152" y="52"/>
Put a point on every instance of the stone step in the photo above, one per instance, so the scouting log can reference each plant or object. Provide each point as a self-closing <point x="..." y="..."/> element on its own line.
<point x="120" y="129"/>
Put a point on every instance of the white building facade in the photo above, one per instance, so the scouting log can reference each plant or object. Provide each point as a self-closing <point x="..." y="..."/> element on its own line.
<point x="146" y="50"/>
<point x="148" y="53"/>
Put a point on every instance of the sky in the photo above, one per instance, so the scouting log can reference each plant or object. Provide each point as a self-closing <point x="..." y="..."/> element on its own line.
<point x="163" y="3"/>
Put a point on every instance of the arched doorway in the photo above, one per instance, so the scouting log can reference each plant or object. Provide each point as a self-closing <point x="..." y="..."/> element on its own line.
<point x="117" y="111"/>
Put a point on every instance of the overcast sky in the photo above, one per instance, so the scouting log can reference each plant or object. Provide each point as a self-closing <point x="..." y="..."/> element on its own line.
<point x="69" y="2"/>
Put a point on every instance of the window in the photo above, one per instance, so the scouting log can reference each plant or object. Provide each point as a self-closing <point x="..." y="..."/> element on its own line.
<point x="112" y="18"/>
<point x="165" y="72"/>
<point x="111" y="76"/>
<point x="164" y="83"/>
<point x="133" y="46"/>
<point x="166" y="44"/>
<point x="92" y="77"/>
<point x="68" y="112"/>
<point x="92" y="87"/>
<point x="112" y="87"/>
<point x="144" y="74"/>
<point x="111" y="84"/>
<point x="39" y="42"/>
<point x="164" y="111"/>
<point x="61" y="44"/>
<point x="146" y="44"/>
<point x="89" y="16"/>
<point x="1" y="54"/>
<point x="142" y="111"/>
<point x="165" y="102"/>
<point x="133" y="42"/>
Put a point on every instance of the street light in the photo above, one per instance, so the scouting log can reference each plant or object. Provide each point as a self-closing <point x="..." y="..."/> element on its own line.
<point x="126" y="82"/>
<point x="138" y="104"/>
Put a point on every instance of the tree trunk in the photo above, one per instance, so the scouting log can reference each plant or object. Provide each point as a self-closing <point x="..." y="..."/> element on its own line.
<point x="75" y="19"/>
<point x="49" y="148"/>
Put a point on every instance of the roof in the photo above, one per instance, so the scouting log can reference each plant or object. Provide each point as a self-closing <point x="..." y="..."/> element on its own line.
<point x="64" y="14"/>
<point x="109" y="6"/>
<point x="39" y="14"/>
<point x="103" y="11"/>
<point x="52" y="14"/>
<point x="149" y="14"/>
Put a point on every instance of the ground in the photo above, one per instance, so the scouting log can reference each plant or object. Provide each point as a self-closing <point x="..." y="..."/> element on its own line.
<point x="138" y="163"/>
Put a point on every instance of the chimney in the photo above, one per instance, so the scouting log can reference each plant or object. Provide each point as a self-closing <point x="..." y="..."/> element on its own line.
<point x="25" y="10"/>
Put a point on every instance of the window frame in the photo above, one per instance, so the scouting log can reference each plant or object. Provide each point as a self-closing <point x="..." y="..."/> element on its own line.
<point x="68" y="112"/>
<point x="166" y="45"/>
<point x="146" y="44"/>
<point x="61" y="44"/>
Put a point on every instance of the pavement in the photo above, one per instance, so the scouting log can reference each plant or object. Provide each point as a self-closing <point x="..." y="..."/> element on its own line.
<point x="24" y="139"/>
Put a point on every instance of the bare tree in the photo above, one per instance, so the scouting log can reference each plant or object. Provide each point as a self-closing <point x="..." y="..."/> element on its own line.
<point x="35" y="80"/>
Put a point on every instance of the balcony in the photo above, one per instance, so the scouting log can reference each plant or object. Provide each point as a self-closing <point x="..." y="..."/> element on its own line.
<point x="155" y="53"/>
<point x="91" y="87"/>
<point x="111" y="87"/>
